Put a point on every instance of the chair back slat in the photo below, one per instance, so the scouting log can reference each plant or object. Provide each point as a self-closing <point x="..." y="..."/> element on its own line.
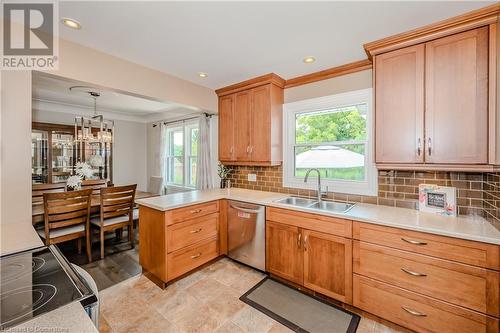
<point x="94" y="184"/>
<point x="117" y="201"/>
<point x="63" y="209"/>
<point x="37" y="190"/>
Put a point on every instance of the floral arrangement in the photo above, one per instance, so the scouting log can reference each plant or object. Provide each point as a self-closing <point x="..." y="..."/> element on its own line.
<point x="84" y="170"/>
<point x="223" y="171"/>
<point x="74" y="183"/>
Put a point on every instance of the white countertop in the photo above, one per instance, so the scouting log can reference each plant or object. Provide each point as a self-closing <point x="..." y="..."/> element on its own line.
<point x="70" y="318"/>
<point x="464" y="227"/>
<point x="17" y="237"/>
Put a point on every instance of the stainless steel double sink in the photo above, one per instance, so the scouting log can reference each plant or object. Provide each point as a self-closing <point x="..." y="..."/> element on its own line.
<point x="329" y="206"/>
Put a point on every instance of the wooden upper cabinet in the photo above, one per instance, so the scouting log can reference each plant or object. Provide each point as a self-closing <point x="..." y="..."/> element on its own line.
<point x="399" y="89"/>
<point x="256" y="122"/>
<point x="434" y="103"/>
<point x="242" y="125"/>
<point x="456" y="90"/>
<point x="284" y="254"/>
<point x="226" y="118"/>
<point x="328" y="265"/>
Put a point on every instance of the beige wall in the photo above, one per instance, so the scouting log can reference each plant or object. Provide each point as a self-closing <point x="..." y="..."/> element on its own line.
<point x="336" y="85"/>
<point x="15" y="142"/>
<point x="129" y="149"/>
<point x="85" y="64"/>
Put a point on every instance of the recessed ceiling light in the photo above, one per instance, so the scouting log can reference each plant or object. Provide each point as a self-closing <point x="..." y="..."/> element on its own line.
<point x="202" y="74"/>
<point x="70" y="23"/>
<point x="309" y="60"/>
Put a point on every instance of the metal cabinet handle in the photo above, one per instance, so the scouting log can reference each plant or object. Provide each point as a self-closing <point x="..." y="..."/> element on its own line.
<point x="196" y="255"/>
<point x="248" y="149"/>
<point x="231" y="150"/>
<point x="305" y="243"/>
<point x="246" y="210"/>
<point x="299" y="237"/>
<point x="195" y="231"/>
<point x="414" y="242"/>
<point x="407" y="271"/>
<point x="419" y="146"/>
<point x="195" y="211"/>
<point x="429" y="146"/>
<point x="413" y="312"/>
<point x="251" y="149"/>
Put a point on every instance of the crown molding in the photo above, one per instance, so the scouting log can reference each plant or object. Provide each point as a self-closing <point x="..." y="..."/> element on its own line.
<point x="474" y="19"/>
<point x="349" y="68"/>
<point x="252" y="83"/>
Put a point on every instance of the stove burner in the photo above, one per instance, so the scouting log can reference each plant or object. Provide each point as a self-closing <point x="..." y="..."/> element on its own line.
<point x="13" y="270"/>
<point x="32" y="298"/>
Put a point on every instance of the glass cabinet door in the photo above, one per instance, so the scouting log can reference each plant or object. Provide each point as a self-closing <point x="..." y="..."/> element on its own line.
<point x="97" y="155"/>
<point x="63" y="156"/>
<point x="39" y="157"/>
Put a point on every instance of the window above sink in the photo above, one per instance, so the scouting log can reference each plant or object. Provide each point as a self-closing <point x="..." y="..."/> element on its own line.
<point x="334" y="135"/>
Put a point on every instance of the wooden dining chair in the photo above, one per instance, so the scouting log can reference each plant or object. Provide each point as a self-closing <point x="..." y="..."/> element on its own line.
<point x="37" y="190"/>
<point x="94" y="184"/>
<point x="66" y="217"/>
<point x="116" y="211"/>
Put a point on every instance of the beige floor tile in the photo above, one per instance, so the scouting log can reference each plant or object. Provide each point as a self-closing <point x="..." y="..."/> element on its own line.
<point x="199" y="319"/>
<point x="206" y="289"/>
<point x="228" y="275"/>
<point x="279" y="328"/>
<point x="366" y="326"/>
<point x="227" y="303"/>
<point x="246" y="282"/>
<point x="175" y="305"/>
<point x="191" y="279"/>
<point x="104" y="326"/>
<point x="123" y="310"/>
<point x="150" y="322"/>
<point x="252" y="321"/>
<point x="229" y="327"/>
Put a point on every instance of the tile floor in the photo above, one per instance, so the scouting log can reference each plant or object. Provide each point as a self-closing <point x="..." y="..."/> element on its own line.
<point x="205" y="301"/>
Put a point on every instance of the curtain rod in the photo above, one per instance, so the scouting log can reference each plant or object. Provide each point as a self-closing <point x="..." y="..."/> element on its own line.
<point x="208" y="115"/>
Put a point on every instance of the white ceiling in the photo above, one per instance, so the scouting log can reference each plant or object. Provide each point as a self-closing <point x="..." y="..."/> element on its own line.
<point x="234" y="41"/>
<point x="52" y="93"/>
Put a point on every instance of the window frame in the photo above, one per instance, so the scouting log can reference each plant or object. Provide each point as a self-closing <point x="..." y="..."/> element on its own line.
<point x="186" y="128"/>
<point x="290" y="110"/>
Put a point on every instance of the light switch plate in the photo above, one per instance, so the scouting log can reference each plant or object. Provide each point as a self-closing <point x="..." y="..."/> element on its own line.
<point x="252" y="177"/>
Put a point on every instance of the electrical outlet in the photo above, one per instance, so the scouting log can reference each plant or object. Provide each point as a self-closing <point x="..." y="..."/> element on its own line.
<point x="252" y="177"/>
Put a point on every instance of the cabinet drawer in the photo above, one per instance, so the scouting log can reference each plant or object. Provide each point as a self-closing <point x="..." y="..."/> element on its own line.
<point x="464" y="251"/>
<point x="192" y="231"/>
<point x="417" y="312"/>
<point x="315" y="222"/>
<point x="185" y="213"/>
<point x="469" y="286"/>
<point x="184" y="260"/>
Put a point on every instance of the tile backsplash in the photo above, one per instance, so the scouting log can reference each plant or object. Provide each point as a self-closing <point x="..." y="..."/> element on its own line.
<point x="477" y="193"/>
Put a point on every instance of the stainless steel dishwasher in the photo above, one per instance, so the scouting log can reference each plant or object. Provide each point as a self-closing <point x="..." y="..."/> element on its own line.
<point x="246" y="235"/>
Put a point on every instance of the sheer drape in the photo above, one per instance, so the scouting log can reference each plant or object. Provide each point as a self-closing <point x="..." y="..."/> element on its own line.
<point x="204" y="172"/>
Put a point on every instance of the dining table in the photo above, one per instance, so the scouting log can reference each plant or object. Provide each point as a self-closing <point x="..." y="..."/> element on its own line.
<point x="37" y="211"/>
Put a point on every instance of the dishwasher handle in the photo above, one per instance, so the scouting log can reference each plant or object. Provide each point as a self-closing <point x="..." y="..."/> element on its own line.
<point x="246" y="210"/>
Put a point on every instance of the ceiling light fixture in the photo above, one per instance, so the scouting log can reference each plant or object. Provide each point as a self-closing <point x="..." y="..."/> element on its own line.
<point x="309" y="60"/>
<point x="202" y="74"/>
<point x="71" y="23"/>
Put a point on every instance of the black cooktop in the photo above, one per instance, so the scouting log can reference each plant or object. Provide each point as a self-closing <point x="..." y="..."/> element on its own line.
<point x="38" y="281"/>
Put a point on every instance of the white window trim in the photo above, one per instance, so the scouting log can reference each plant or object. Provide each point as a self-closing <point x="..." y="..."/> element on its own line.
<point x="185" y="126"/>
<point x="366" y="187"/>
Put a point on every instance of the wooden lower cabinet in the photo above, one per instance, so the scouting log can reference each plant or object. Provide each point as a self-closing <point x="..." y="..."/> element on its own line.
<point x="417" y="312"/>
<point x="328" y="265"/>
<point x="316" y="260"/>
<point x="284" y="254"/>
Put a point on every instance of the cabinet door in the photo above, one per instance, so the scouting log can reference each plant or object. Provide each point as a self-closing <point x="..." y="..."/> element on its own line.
<point x="284" y="254"/>
<point x="328" y="265"/>
<point x="261" y="124"/>
<point x="226" y="128"/>
<point x="399" y="106"/>
<point x="242" y="125"/>
<point x="456" y="117"/>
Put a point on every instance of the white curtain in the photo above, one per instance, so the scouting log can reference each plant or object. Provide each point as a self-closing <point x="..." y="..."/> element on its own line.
<point x="163" y="155"/>
<point x="204" y="174"/>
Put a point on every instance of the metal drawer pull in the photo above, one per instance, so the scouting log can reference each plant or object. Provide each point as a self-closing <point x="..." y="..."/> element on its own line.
<point x="305" y="243"/>
<point x="407" y="271"/>
<point x="196" y="256"/>
<point x="195" y="211"/>
<point x="414" y="242"/>
<point x="419" y="146"/>
<point x="298" y="240"/>
<point x="429" y="146"/>
<point x="195" y="231"/>
<point x="413" y="312"/>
